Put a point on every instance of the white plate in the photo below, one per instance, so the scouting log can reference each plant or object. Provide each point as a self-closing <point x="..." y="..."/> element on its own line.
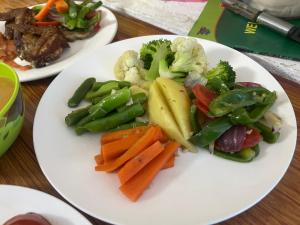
<point x="105" y="35"/>
<point x="200" y="189"/>
<point x="16" y="200"/>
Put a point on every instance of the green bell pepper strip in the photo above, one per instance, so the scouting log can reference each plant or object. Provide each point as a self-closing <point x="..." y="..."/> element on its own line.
<point x="242" y="116"/>
<point x="268" y="135"/>
<point x="194" y="122"/>
<point x="245" y="155"/>
<point x="75" y="116"/>
<point x="136" y="98"/>
<point x="112" y="121"/>
<point x="129" y="125"/>
<point x="81" y="91"/>
<point x="238" y="98"/>
<point x="109" y="103"/>
<point x="212" y="131"/>
<point x="103" y="90"/>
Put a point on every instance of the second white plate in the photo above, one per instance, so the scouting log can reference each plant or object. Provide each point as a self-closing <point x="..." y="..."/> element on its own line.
<point x="105" y="35"/>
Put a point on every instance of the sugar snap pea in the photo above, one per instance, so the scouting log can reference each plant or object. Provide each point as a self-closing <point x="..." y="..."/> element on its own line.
<point x="112" y="121"/>
<point x="103" y="90"/>
<point x="129" y="125"/>
<point x="109" y="103"/>
<point x="81" y="91"/>
<point x="136" y="98"/>
<point x="75" y="116"/>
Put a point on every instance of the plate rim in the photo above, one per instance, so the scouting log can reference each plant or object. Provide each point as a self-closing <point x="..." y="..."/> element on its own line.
<point x="257" y="200"/>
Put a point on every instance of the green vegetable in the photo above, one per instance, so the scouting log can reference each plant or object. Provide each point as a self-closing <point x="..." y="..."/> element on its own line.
<point x="103" y="90"/>
<point x="212" y="131"/>
<point x="72" y="9"/>
<point x="238" y="98"/>
<point x="36" y="8"/>
<point x="112" y="121"/>
<point x="193" y="115"/>
<point x="164" y="70"/>
<point x="242" y="116"/>
<point x="81" y="91"/>
<point x="267" y="133"/>
<point x="75" y="116"/>
<point x="109" y="103"/>
<point x="221" y="78"/>
<point x="129" y="125"/>
<point x="94" y="20"/>
<point x="245" y="155"/>
<point x="136" y="98"/>
<point x="84" y="120"/>
<point x="152" y="53"/>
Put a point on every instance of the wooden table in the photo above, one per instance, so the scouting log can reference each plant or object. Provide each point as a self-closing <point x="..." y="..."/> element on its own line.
<point x="19" y="165"/>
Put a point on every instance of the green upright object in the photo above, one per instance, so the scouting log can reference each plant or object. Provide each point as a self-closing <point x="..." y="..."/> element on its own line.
<point x="228" y="28"/>
<point x="12" y="114"/>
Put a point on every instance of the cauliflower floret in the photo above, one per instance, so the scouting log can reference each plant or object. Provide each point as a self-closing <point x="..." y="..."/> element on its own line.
<point x="129" y="67"/>
<point x="189" y="56"/>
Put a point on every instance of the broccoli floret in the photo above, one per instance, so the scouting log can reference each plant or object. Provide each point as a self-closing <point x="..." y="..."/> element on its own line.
<point x="165" y="72"/>
<point x="152" y="53"/>
<point x="221" y="78"/>
<point x="189" y="56"/>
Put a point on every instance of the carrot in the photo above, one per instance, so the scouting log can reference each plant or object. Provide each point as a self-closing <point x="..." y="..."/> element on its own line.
<point x="112" y="136"/>
<point x="135" y="187"/>
<point x="44" y="11"/>
<point x="114" y="149"/>
<point x="99" y="159"/>
<point x="170" y="163"/>
<point x="137" y="163"/>
<point x="61" y="6"/>
<point x="152" y="134"/>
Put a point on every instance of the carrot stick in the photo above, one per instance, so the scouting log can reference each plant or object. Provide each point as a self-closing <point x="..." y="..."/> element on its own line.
<point x="44" y="11"/>
<point x="137" y="163"/>
<point x="152" y="134"/>
<point x="61" y="6"/>
<point x="134" y="188"/>
<point x="112" y="136"/>
<point x="112" y="150"/>
<point x="99" y="159"/>
<point x="170" y="163"/>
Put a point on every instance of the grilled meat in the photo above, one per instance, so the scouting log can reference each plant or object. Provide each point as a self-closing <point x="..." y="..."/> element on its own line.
<point x="36" y="44"/>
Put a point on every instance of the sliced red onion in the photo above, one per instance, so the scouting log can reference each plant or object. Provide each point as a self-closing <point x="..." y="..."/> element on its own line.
<point x="248" y="84"/>
<point x="232" y="140"/>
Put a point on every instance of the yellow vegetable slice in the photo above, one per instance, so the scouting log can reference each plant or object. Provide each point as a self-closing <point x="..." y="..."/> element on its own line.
<point x="160" y="114"/>
<point x="178" y="102"/>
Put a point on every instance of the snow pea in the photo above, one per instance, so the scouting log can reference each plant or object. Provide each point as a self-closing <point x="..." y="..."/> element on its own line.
<point x="211" y="132"/>
<point x="81" y="91"/>
<point x="267" y="133"/>
<point x="109" y="103"/>
<point x="245" y="155"/>
<point x="112" y="121"/>
<point x="238" y="98"/>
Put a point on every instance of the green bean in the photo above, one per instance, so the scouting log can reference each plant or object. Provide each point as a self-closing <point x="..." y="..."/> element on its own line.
<point x="136" y="98"/>
<point x="80" y="92"/>
<point x="112" y="121"/>
<point x="110" y="103"/>
<point x="75" y="116"/>
<point x="103" y="90"/>
<point x="124" y="83"/>
<point x="129" y="125"/>
<point x="84" y="120"/>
